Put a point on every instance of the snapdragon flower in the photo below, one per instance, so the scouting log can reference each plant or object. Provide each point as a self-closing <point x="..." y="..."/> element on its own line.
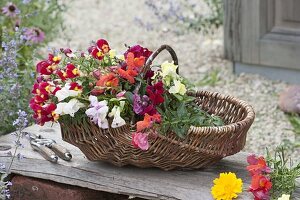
<point x="66" y="92"/>
<point x="118" y="121"/>
<point x="69" y="108"/>
<point x="178" y="88"/>
<point x="98" y="112"/>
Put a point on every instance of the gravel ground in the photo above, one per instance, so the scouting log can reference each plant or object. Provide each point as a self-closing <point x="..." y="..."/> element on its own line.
<point x="198" y="55"/>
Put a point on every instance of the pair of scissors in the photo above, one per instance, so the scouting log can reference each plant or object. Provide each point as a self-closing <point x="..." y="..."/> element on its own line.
<point x="48" y="148"/>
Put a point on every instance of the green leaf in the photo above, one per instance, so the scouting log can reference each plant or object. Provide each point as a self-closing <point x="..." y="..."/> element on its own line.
<point x="179" y="97"/>
<point x="129" y="97"/>
<point x="181" y="111"/>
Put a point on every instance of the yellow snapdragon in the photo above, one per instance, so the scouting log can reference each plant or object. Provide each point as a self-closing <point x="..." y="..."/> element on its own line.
<point x="178" y="88"/>
<point x="168" y="69"/>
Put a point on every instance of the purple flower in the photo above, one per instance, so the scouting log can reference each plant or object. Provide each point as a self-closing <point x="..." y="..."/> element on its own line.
<point x="137" y="104"/>
<point x="98" y="112"/>
<point x="22" y="121"/>
<point x="143" y="105"/>
<point x="34" y="35"/>
<point x="10" y="10"/>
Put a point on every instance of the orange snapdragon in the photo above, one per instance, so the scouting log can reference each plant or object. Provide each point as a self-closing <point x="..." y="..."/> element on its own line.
<point x="147" y="122"/>
<point x="107" y="81"/>
<point x="133" y="67"/>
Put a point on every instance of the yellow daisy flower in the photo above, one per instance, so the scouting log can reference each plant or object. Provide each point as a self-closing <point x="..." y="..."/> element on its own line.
<point x="226" y="187"/>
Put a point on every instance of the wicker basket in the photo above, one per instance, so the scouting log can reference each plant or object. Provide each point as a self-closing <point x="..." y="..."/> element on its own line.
<point x="202" y="146"/>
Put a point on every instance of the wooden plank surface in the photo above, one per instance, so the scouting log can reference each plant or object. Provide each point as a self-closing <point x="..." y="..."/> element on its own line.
<point x="146" y="183"/>
<point x="232" y="30"/>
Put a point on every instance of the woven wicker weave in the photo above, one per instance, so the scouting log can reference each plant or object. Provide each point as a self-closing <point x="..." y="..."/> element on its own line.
<point x="202" y="147"/>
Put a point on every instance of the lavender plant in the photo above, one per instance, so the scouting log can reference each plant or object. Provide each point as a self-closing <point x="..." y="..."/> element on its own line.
<point x="201" y="16"/>
<point x="26" y="27"/>
<point x="20" y="124"/>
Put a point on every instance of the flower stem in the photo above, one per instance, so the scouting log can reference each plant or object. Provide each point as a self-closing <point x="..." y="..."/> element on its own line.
<point x="15" y="152"/>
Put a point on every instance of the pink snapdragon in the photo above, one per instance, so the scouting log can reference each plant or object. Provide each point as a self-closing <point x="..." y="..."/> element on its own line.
<point x="140" y="140"/>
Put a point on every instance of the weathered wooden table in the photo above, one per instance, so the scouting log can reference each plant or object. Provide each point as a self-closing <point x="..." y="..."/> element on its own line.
<point x="145" y="183"/>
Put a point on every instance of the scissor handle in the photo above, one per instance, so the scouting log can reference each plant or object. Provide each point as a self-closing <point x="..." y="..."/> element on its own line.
<point x="47" y="153"/>
<point x="61" y="151"/>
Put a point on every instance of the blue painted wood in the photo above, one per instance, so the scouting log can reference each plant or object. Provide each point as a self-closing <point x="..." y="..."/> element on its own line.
<point x="273" y="73"/>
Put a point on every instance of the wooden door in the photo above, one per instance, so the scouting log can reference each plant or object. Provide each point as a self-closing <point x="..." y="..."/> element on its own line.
<point x="263" y="36"/>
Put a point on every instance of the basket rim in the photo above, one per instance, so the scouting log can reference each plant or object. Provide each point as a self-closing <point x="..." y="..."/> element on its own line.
<point x="247" y="121"/>
<point x="248" y="108"/>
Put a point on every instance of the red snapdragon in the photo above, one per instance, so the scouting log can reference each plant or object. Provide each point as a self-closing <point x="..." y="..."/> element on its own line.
<point x="155" y="93"/>
<point x="260" y="184"/>
<point x="260" y="187"/>
<point x="101" y="48"/>
<point x="53" y="60"/>
<point x="138" y="51"/>
<point x="70" y="71"/>
<point x="43" y="114"/>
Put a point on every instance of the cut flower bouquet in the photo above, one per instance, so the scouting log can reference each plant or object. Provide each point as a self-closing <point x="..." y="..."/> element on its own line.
<point x="113" y="90"/>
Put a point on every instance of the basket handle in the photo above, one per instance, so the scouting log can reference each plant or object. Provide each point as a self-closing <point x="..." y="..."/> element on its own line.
<point x="149" y="61"/>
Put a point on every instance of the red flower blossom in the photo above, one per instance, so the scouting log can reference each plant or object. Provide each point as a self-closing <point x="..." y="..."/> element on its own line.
<point x="155" y="93"/>
<point x="43" y="113"/>
<point x="75" y="86"/>
<point x="149" y="74"/>
<point x="96" y="53"/>
<point x="35" y="106"/>
<point x="128" y="75"/>
<point x="260" y="187"/>
<point x="133" y="67"/>
<point x="134" y="63"/>
<point x="62" y="74"/>
<point x="260" y="184"/>
<point x="107" y="81"/>
<point x="150" y="109"/>
<point x="72" y="71"/>
<point x="53" y="59"/>
<point x="103" y="45"/>
<point x="56" y="89"/>
<point x="45" y="68"/>
<point x="138" y="51"/>
<point x="147" y="122"/>
<point x="41" y="98"/>
<point x="100" y="50"/>
<point x="41" y="88"/>
<point x="257" y="165"/>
